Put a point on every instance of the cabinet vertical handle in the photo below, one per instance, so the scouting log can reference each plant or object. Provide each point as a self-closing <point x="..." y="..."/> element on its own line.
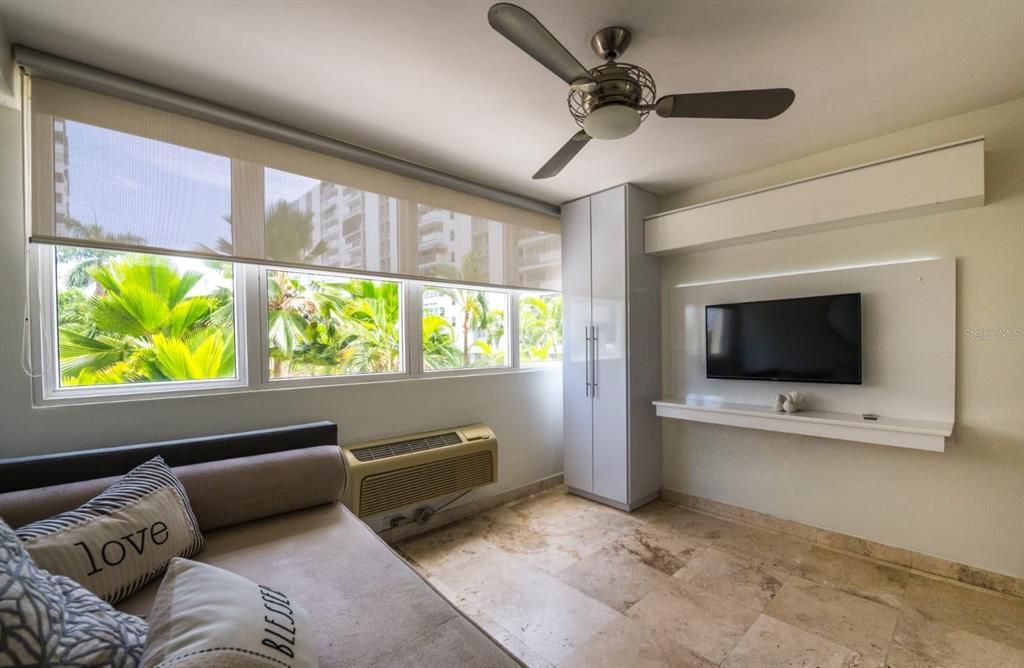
<point x="586" y="353"/>
<point x="593" y="361"/>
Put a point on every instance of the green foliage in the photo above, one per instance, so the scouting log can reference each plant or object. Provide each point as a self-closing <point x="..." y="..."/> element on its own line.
<point x="323" y="326"/>
<point x="482" y="331"/>
<point x="142" y="322"/>
<point x="439" y="349"/>
<point x="87" y="258"/>
<point x="138" y="318"/>
<point x="540" y="328"/>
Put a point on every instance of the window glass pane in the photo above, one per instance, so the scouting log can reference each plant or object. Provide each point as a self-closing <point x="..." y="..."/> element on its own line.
<point x="464" y="328"/>
<point x="538" y="259"/>
<point x="318" y="222"/>
<point x="116" y="187"/>
<point x="324" y="325"/>
<point x="137" y="318"/>
<point x="540" y="327"/>
<point x="458" y="246"/>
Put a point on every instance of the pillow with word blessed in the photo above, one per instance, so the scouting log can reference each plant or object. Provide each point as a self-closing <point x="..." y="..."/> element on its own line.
<point x="118" y="541"/>
<point x="206" y="617"/>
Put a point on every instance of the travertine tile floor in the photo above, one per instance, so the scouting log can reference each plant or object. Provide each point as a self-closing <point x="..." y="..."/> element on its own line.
<point x="562" y="581"/>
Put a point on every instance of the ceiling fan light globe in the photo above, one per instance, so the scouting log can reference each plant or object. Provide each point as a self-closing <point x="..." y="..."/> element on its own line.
<point x="612" y="121"/>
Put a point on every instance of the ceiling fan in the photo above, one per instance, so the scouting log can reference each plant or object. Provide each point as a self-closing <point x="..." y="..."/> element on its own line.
<point x="611" y="100"/>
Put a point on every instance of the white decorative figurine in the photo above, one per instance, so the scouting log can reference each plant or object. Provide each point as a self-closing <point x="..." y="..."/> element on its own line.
<point x="780" y="400"/>
<point x="793" y="403"/>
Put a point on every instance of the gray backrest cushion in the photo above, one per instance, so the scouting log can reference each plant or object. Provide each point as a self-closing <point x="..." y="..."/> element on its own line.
<point x="222" y="493"/>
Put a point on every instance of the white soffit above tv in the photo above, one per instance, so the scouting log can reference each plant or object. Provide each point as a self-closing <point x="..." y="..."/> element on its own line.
<point x="942" y="178"/>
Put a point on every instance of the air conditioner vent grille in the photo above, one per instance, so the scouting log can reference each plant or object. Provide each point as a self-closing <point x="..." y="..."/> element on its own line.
<point x="397" y="448"/>
<point x="394" y="489"/>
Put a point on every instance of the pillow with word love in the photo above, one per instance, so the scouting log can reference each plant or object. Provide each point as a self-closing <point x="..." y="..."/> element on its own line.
<point x="49" y="620"/>
<point x="118" y="541"/>
<point x="206" y="617"/>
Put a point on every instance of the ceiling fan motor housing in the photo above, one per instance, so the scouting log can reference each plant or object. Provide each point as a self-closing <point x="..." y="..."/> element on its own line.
<point x="624" y="90"/>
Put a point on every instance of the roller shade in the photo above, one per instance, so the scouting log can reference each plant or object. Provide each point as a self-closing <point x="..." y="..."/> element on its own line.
<point x="109" y="173"/>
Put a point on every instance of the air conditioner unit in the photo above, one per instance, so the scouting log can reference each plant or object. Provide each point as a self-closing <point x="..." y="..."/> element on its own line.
<point x="394" y="472"/>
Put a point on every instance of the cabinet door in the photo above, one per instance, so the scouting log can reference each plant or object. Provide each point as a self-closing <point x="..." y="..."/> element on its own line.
<point x="608" y="294"/>
<point x="577" y="406"/>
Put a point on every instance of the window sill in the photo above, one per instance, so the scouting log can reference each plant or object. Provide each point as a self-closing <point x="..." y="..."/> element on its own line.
<point x="287" y="385"/>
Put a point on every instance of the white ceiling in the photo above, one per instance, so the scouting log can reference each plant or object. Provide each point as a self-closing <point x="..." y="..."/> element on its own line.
<point x="429" y="81"/>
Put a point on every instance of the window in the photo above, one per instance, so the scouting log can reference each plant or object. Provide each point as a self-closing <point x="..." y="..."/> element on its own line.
<point x="124" y="318"/>
<point x="314" y="222"/>
<point x="330" y="325"/>
<point x="136" y="322"/>
<point x="464" y="328"/>
<point x="540" y="327"/>
<point x="176" y="256"/>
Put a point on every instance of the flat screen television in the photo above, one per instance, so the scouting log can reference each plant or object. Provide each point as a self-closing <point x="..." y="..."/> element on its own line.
<point x="806" y="340"/>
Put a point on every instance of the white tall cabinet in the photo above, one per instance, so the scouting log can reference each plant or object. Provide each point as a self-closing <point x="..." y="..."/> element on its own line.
<point x="611" y="366"/>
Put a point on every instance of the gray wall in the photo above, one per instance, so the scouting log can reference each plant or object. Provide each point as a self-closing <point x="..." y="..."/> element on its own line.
<point x="524" y="408"/>
<point x="965" y="504"/>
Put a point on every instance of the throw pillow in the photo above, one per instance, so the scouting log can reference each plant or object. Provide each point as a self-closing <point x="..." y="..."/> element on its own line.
<point x="118" y="541"/>
<point x="204" y="616"/>
<point x="50" y="620"/>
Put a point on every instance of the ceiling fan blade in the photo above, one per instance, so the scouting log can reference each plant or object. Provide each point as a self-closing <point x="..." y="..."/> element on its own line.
<point x="764" y="103"/>
<point x="524" y="30"/>
<point x="560" y="159"/>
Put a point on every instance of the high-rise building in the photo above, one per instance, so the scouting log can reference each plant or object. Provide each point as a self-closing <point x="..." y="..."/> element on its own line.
<point x="539" y="259"/>
<point x="358" y="228"/>
<point x="61" y="183"/>
<point x="361" y="230"/>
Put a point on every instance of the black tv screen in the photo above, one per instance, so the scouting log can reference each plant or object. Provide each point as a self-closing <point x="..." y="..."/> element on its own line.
<point x="807" y="340"/>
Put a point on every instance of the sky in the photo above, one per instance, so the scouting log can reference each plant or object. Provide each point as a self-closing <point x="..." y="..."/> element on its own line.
<point x="170" y="195"/>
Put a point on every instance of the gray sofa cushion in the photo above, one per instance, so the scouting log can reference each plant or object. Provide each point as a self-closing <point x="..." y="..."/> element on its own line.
<point x="221" y="493"/>
<point x="367" y="606"/>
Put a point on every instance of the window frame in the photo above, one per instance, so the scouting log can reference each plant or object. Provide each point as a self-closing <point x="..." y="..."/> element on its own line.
<point x="314" y="381"/>
<point x="252" y="343"/>
<point x="510" y="365"/>
<point x="47" y="388"/>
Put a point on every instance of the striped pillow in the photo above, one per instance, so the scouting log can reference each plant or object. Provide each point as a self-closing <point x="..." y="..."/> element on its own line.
<point x="118" y="541"/>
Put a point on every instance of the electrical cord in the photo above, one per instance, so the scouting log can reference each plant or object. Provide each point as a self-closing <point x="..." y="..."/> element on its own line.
<point x="423" y="515"/>
<point x="448" y="503"/>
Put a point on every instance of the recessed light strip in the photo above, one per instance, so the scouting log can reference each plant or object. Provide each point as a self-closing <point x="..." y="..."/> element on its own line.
<point x="801" y="272"/>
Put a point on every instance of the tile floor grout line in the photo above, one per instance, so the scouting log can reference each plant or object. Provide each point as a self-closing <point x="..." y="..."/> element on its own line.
<point x="556" y="513"/>
<point x="849" y="553"/>
<point x="892" y="637"/>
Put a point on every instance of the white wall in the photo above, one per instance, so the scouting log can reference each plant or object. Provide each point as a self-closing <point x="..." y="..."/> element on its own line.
<point x="966" y="504"/>
<point x="10" y="91"/>
<point x="524" y="408"/>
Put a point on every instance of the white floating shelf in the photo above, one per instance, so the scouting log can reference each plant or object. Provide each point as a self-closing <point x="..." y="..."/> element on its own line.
<point x="898" y="432"/>
<point x="943" y="178"/>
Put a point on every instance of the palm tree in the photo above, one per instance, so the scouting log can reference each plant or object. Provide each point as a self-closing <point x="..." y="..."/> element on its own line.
<point x="475" y="314"/>
<point x="87" y="258"/>
<point x="439" y="350"/>
<point x="294" y="306"/>
<point x="540" y="327"/>
<point x="370" y="327"/>
<point x="287" y="233"/>
<point x="146" y="325"/>
<point x="333" y="327"/>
